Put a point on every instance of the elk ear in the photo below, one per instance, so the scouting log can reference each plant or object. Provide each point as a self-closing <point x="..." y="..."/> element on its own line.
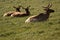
<point x="48" y="6"/>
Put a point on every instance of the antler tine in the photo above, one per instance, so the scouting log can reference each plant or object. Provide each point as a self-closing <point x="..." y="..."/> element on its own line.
<point x="49" y="5"/>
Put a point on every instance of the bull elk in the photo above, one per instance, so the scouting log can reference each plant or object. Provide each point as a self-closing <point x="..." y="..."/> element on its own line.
<point x="41" y="16"/>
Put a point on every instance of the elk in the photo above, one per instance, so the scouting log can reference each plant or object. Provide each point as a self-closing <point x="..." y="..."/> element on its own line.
<point x="41" y="16"/>
<point x="21" y="14"/>
<point x="11" y="12"/>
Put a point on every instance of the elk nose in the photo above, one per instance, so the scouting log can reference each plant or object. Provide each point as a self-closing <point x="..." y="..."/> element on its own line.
<point x="53" y="11"/>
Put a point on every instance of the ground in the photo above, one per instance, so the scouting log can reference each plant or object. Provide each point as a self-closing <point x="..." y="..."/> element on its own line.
<point x="14" y="28"/>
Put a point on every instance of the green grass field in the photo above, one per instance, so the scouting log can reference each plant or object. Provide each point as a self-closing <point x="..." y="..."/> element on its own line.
<point x="15" y="28"/>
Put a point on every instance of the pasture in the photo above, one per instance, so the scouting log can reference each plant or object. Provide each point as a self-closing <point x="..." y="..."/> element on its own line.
<point x="15" y="28"/>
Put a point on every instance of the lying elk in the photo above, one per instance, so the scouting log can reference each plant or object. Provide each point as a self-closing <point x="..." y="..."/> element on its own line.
<point x="11" y="12"/>
<point x="21" y="14"/>
<point x="42" y="16"/>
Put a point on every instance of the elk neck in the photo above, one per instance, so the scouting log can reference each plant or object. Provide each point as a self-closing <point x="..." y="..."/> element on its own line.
<point x="47" y="13"/>
<point x="27" y="12"/>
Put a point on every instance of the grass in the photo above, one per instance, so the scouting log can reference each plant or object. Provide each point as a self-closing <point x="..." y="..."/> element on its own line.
<point x="16" y="29"/>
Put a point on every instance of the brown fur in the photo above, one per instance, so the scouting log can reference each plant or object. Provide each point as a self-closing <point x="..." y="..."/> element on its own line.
<point x="11" y="12"/>
<point x="21" y="14"/>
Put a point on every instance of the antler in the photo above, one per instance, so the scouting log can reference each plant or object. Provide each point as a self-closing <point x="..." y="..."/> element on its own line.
<point x="49" y="5"/>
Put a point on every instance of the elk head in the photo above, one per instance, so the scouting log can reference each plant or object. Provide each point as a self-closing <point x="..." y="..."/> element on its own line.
<point x="27" y="10"/>
<point x="47" y="8"/>
<point x="17" y="8"/>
